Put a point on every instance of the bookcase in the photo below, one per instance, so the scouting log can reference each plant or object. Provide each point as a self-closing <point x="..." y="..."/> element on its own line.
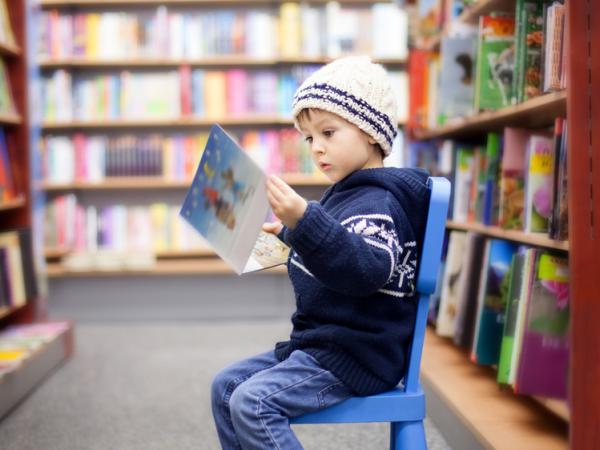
<point x="22" y="366"/>
<point x="447" y="371"/>
<point x="234" y="41"/>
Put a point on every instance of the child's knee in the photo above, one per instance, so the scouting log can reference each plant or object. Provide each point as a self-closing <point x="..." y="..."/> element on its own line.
<point x="243" y="403"/>
<point x="220" y="384"/>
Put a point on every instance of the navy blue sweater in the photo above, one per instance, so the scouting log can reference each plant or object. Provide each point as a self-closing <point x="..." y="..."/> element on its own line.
<point x="353" y="269"/>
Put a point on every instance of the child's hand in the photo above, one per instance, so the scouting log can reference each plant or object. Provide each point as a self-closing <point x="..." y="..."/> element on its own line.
<point x="272" y="227"/>
<point x="285" y="202"/>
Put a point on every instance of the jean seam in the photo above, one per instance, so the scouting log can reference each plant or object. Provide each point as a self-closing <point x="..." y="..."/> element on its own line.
<point x="261" y="399"/>
<point x="322" y="392"/>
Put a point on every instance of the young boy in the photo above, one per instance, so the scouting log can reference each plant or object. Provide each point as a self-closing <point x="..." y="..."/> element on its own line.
<point x="352" y="266"/>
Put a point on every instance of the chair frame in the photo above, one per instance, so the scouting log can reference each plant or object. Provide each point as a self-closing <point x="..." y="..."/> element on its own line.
<point x="404" y="406"/>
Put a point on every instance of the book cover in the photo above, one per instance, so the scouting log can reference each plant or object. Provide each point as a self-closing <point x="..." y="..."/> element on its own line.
<point x="495" y="62"/>
<point x="227" y="204"/>
<point x="561" y="206"/>
<point x="456" y="85"/>
<point x="468" y="286"/>
<point x="513" y="297"/>
<point x="446" y="317"/>
<point x="512" y="178"/>
<point x="491" y="195"/>
<point x="463" y="179"/>
<point x="491" y="301"/>
<point x="538" y="184"/>
<point x="544" y="360"/>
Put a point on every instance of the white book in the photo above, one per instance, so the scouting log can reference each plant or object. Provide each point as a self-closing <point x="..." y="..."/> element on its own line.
<point x="390" y="31"/>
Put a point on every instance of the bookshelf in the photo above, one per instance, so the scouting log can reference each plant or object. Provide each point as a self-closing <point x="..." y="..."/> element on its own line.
<point x="445" y="366"/>
<point x="536" y="240"/>
<point x="16" y="213"/>
<point x="537" y="112"/>
<point x="69" y="61"/>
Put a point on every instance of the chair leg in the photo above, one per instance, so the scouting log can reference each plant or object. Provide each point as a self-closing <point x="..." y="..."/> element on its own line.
<point x="407" y="435"/>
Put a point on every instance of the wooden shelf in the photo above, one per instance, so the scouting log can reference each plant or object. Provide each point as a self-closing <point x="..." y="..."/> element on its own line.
<point x="9" y="50"/>
<point x="13" y="204"/>
<point x="10" y="119"/>
<point x="218" y="61"/>
<point x="495" y="418"/>
<point x="537" y="240"/>
<point x="166" y="267"/>
<point x="135" y="183"/>
<point x="256" y="120"/>
<point x="123" y="3"/>
<point x="484" y="7"/>
<point x="60" y="252"/>
<point x="16" y="384"/>
<point x="535" y="113"/>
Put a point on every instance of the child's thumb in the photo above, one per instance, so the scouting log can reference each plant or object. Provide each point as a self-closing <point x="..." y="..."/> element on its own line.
<point x="272" y="227"/>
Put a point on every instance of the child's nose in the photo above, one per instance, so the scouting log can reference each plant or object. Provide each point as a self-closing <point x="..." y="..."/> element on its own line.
<point x="317" y="146"/>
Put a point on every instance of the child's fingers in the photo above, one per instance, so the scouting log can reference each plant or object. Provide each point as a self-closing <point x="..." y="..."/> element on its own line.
<point x="281" y="185"/>
<point x="272" y="227"/>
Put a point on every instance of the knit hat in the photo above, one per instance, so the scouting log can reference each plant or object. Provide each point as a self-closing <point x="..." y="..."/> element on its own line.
<point x="357" y="90"/>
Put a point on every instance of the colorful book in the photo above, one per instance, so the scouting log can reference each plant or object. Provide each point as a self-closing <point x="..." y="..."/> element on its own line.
<point x="512" y="178"/>
<point x="468" y="287"/>
<point x="495" y="62"/>
<point x="456" y="85"/>
<point x="515" y="279"/>
<point x="227" y="204"/>
<point x="491" y="196"/>
<point x="561" y="206"/>
<point x="544" y="359"/>
<point x="446" y="318"/>
<point x="538" y="183"/>
<point x="463" y="179"/>
<point x="491" y="301"/>
<point x="527" y="82"/>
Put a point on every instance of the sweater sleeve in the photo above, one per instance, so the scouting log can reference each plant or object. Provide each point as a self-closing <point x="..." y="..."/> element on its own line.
<point x="355" y="256"/>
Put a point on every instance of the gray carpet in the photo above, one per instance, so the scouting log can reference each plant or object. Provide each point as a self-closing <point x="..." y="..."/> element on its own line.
<point x="146" y="386"/>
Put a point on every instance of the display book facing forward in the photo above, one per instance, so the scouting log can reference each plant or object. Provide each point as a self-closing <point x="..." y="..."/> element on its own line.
<point x="227" y="204"/>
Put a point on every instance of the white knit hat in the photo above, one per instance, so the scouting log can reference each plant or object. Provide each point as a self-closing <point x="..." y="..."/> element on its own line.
<point x="357" y="90"/>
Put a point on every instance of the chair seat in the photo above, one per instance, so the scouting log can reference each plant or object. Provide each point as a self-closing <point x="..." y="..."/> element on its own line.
<point x="391" y="406"/>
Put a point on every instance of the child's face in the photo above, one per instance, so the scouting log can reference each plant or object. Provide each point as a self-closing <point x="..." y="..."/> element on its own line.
<point x="338" y="147"/>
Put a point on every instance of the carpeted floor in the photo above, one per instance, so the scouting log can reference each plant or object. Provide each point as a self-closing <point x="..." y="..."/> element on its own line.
<point x="145" y="386"/>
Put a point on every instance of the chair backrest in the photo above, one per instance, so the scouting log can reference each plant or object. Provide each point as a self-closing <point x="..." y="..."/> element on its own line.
<point x="428" y="269"/>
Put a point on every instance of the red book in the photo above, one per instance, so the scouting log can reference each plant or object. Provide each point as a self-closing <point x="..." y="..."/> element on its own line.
<point x="185" y="79"/>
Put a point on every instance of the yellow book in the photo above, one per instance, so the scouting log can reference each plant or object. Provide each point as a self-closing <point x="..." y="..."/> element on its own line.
<point x="290" y="33"/>
<point x="92" y="27"/>
<point x="12" y="355"/>
<point x="159" y="215"/>
<point x="215" y="91"/>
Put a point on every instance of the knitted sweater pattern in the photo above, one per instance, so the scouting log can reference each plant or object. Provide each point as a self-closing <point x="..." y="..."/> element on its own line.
<point x="353" y="267"/>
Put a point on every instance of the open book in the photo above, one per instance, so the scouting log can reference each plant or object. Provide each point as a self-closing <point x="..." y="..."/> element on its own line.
<point x="227" y="204"/>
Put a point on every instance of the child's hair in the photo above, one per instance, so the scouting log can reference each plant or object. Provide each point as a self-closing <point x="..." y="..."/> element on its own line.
<point x="357" y="90"/>
<point x="304" y="115"/>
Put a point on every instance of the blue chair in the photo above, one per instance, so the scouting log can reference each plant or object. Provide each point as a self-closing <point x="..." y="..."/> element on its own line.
<point x="404" y="406"/>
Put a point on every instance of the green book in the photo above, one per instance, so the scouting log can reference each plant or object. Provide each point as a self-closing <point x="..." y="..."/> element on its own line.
<point x="513" y="298"/>
<point x="495" y="62"/>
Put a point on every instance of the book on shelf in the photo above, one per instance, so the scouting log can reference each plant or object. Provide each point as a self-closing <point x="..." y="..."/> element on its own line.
<point x="538" y="183"/>
<point x="512" y="178"/>
<point x="468" y="288"/>
<point x="527" y="80"/>
<point x="553" y="76"/>
<point x="491" y="196"/>
<point x="513" y="298"/>
<point x="495" y="62"/>
<point x="7" y="102"/>
<point x="18" y="282"/>
<point x="7" y="183"/>
<point x="7" y="36"/>
<point x="227" y="204"/>
<point x="19" y="342"/>
<point x="559" y="222"/>
<point x="457" y="64"/>
<point x="544" y="360"/>
<point x="489" y="316"/>
<point x="448" y="308"/>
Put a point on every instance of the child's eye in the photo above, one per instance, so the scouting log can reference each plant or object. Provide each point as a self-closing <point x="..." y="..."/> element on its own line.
<point x="328" y="133"/>
<point x="308" y="139"/>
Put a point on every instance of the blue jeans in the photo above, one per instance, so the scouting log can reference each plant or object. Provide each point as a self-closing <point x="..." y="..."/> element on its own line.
<point x="252" y="400"/>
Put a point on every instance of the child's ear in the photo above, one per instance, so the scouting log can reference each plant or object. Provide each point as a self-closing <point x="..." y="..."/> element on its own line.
<point x="372" y="141"/>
